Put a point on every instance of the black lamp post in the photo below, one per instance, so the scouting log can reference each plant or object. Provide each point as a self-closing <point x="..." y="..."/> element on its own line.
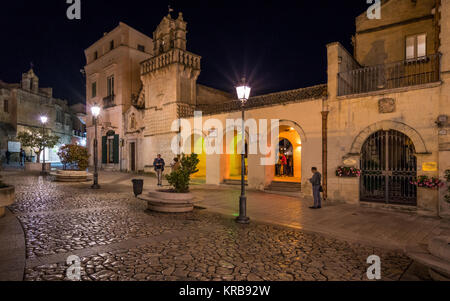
<point x="44" y="120"/>
<point x="243" y="93"/>
<point x="95" y="110"/>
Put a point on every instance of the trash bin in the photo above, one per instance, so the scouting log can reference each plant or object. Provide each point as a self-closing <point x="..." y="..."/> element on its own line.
<point x="138" y="186"/>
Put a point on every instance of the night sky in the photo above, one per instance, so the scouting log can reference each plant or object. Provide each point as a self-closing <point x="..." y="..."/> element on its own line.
<point x="279" y="45"/>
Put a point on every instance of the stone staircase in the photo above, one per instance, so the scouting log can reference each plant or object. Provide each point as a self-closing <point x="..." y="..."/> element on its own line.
<point x="280" y="186"/>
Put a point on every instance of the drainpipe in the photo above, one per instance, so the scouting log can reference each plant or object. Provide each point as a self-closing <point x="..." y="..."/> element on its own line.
<point x="325" y="113"/>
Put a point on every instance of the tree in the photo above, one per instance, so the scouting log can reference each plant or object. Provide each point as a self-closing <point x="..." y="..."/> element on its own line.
<point x="74" y="155"/>
<point x="180" y="178"/>
<point x="38" y="140"/>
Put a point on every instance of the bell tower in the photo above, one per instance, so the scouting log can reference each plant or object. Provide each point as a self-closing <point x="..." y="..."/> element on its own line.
<point x="170" y="34"/>
<point x="170" y="84"/>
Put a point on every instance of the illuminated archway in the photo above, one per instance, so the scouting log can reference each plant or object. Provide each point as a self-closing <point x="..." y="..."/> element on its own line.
<point x="289" y="151"/>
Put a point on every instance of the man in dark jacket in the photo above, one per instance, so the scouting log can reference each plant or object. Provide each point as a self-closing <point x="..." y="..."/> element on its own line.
<point x="8" y="156"/>
<point x="316" y="182"/>
<point x="22" y="157"/>
<point x="159" y="165"/>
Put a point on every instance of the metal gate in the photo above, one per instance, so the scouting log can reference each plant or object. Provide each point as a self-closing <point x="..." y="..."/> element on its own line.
<point x="388" y="166"/>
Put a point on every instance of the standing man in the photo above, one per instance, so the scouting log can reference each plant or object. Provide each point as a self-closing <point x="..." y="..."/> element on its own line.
<point x="316" y="182"/>
<point x="8" y="156"/>
<point x="22" y="157"/>
<point x="159" y="165"/>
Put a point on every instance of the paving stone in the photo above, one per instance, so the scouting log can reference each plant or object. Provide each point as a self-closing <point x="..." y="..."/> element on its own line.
<point x="59" y="219"/>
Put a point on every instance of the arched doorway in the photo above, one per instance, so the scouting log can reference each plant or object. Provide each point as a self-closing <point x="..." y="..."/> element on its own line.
<point x="285" y="164"/>
<point x="388" y="166"/>
<point x="289" y="151"/>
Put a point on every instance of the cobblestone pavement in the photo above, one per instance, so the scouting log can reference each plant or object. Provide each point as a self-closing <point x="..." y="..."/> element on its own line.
<point x="116" y="239"/>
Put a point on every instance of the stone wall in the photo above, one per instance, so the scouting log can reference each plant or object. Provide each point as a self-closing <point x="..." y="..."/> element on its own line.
<point x="382" y="41"/>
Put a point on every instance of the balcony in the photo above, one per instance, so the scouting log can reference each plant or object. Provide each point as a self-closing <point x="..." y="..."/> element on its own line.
<point x="173" y="56"/>
<point x="401" y="74"/>
<point x="108" y="102"/>
<point x="78" y="133"/>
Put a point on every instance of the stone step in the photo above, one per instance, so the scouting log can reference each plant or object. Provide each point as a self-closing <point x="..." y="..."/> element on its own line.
<point x="284" y="186"/>
<point x="234" y="182"/>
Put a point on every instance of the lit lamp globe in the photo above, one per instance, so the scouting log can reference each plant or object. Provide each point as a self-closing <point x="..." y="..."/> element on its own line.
<point x="95" y="111"/>
<point x="243" y="92"/>
<point x="44" y="119"/>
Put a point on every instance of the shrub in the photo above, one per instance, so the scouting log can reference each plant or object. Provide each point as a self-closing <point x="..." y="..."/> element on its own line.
<point x="179" y="179"/>
<point x="75" y="156"/>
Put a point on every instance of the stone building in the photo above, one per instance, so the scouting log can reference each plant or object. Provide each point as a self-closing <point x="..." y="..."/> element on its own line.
<point x="21" y="107"/>
<point x="384" y="110"/>
<point x="113" y="81"/>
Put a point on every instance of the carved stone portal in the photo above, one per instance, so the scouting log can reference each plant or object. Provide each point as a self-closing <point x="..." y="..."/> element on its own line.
<point x="386" y="105"/>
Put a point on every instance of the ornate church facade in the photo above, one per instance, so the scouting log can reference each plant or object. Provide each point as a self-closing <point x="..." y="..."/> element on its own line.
<point x="384" y="110"/>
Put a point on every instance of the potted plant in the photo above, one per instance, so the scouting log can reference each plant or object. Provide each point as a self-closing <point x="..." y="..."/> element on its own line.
<point x="427" y="182"/>
<point x="347" y="172"/>
<point x="7" y="196"/>
<point x="177" y="199"/>
<point x="37" y="140"/>
<point x="75" y="160"/>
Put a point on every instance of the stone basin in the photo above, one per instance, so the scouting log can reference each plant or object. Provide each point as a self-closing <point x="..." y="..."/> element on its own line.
<point x="436" y="257"/>
<point x="71" y="176"/>
<point x="166" y="201"/>
<point x="7" y="198"/>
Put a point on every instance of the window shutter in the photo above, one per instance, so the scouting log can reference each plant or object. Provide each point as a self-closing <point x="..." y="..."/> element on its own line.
<point x="422" y="45"/>
<point x="116" y="149"/>
<point x="104" y="150"/>
<point x="410" y="47"/>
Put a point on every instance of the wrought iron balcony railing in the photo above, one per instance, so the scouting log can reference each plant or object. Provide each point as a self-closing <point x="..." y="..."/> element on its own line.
<point x="108" y="102"/>
<point x="406" y="73"/>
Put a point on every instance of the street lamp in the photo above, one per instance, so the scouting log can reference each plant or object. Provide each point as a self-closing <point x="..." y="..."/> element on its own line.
<point x="95" y="110"/>
<point x="44" y="120"/>
<point x="243" y="93"/>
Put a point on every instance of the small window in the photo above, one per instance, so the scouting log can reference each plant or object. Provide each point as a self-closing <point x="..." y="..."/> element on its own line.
<point x="416" y="46"/>
<point x="94" y="89"/>
<point x="111" y="45"/>
<point x="141" y="48"/>
<point x="133" y="122"/>
<point x="110" y="85"/>
<point x="95" y="55"/>
<point x="59" y="117"/>
<point x="5" y="106"/>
